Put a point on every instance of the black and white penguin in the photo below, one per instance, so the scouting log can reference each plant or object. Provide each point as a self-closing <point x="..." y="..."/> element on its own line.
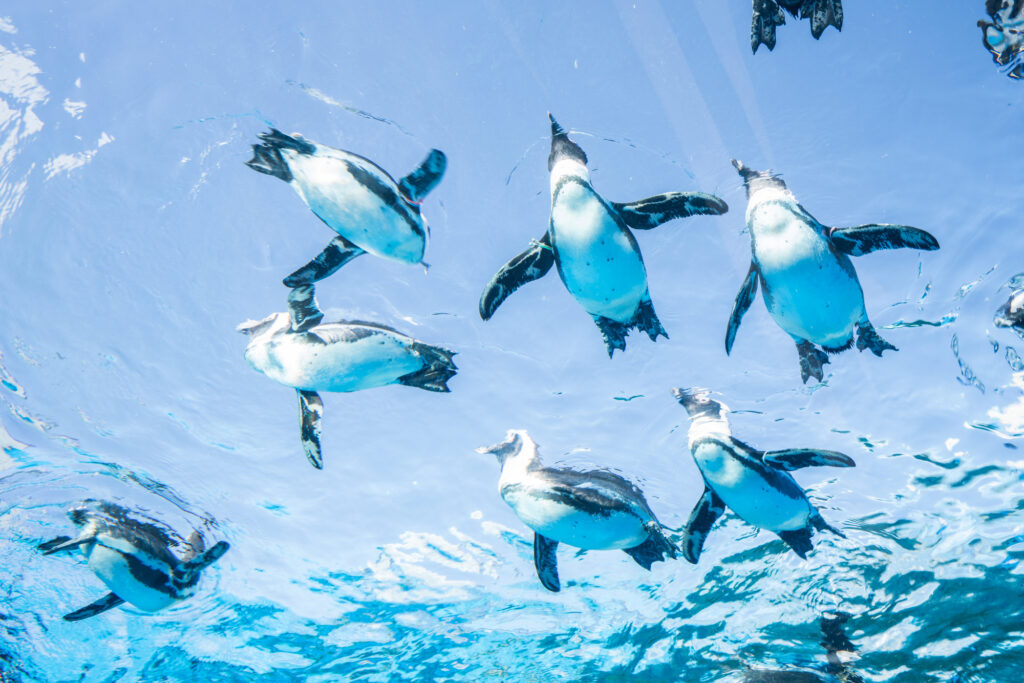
<point x="768" y="15"/>
<point x="299" y="351"/>
<point x="1011" y="313"/>
<point x="809" y="284"/>
<point x="589" y="509"/>
<point x="133" y="558"/>
<point x="1003" y="36"/>
<point x="597" y="256"/>
<point x="756" y="485"/>
<point x="356" y="198"/>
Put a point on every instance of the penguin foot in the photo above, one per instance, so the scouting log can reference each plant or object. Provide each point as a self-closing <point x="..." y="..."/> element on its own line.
<point x="867" y="338"/>
<point x="614" y="333"/>
<point x="647" y="320"/>
<point x="811" y="361"/>
<point x="822" y="13"/>
<point x="766" y="17"/>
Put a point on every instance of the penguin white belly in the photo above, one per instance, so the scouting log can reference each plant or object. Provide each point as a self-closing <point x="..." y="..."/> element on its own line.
<point x="113" y="570"/>
<point x="353" y="210"/>
<point x="807" y="290"/>
<point x="749" y="494"/>
<point x="372" y="361"/>
<point x="567" y="524"/>
<point x="598" y="261"/>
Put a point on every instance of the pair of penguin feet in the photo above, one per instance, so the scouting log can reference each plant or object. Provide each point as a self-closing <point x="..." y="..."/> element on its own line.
<point x="614" y="333"/>
<point x="768" y="15"/>
<point x="813" y="359"/>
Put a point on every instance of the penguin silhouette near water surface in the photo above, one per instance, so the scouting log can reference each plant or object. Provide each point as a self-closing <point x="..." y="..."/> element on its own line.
<point x="590" y="241"/>
<point x="806" y="277"/>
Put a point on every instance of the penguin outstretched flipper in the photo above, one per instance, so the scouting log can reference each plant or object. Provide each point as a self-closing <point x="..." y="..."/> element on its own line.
<point x="337" y="253"/>
<point x="311" y="411"/>
<point x="528" y="266"/>
<point x="864" y="239"/>
<point x="303" y="309"/>
<point x="205" y="558"/>
<point x="743" y="300"/>
<point x="653" y="211"/>
<point x="766" y="17"/>
<point x="796" y="458"/>
<point x="418" y="184"/>
<point x="108" y="601"/>
<point x="64" y="543"/>
<point x="707" y="511"/>
<point x="546" y="562"/>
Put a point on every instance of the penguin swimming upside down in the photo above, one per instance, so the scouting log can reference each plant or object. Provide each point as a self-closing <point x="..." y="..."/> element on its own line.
<point x="808" y="282"/>
<point x="589" y="239"/>
<point x="356" y="198"/>
<point x="591" y="509"/>
<point x="133" y="558"/>
<point x="768" y="15"/>
<point x="754" y="484"/>
<point x="298" y="350"/>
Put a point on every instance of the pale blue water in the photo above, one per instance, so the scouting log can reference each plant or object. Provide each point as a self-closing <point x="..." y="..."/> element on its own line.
<point x="133" y="239"/>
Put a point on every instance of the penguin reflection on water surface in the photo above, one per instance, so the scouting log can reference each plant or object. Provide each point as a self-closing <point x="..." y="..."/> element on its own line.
<point x="754" y="484"/>
<point x="808" y="282"/>
<point x="1004" y="35"/>
<point x="356" y="198"/>
<point x="836" y="643"/>
<point x="588" y="509"/>
<point x="768" y="16"/>
<point x="298" y="350"/>
<point x="133" y="558"/>
<point x="589" y="239"/>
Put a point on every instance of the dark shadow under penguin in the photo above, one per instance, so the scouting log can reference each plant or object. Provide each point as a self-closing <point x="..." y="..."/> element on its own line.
<point x="768" y="15"/>
<point x="807" y="280"/>
<point x="133" y="558"/>
<point x="301" y="351"/>
<point x="756" y="485"/>
<point x="590" y="241"/>
<point x="588" y="509"/>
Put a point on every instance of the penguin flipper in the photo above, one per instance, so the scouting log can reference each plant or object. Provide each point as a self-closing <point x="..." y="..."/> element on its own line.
<point x="311" y="410"/>
<point x="823" y="13"/>
<point x="811" y="360"/>
<point x="428" y="174"/>
<point x="795" y="458"/>
<point x="302" y="308"/>
<point x="108" y="601"/>
<point x="205" y="558"/>
<point x="437" y="369"/>
<point x="799" y="540"/>
<point x="654" y="549"/>
<point x="743" y="300"/>
<point x="337" y="253"/>
<point x="661" y="208"/>
<point x="546" y="561"/>
<point x="767" y="15"/>
<point x="528" y="266"/>
<point x="63" y="543"/>
<point x="864" y="239"/>
<point x="707" y="511"/>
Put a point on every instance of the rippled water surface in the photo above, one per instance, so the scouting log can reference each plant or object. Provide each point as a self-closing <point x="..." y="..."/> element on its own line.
<point x="133" y="240"/>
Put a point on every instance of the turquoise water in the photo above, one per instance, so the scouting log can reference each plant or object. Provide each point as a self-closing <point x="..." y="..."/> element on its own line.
<point x="133" y="240"/>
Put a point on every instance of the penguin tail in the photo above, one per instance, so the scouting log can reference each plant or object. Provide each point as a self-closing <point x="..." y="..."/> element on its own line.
<point x="437" y="369"/>
<point x="266" y="158"/>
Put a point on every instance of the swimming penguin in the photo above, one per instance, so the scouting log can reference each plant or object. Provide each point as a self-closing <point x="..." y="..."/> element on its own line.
<point x="589" y="509"/>
<point x="809" y="284"/>
<point x="1004" y="35"/>
<point x="299" y="351"/>
<point x="356" y="198"/>
<point x="768" y="15"/>
<point x="589" y="239"/>
<point x="835" y="641"/>
<point x="1011" y="313"/>
<point x="133" y="558"/>
<point x="755" y="484"/>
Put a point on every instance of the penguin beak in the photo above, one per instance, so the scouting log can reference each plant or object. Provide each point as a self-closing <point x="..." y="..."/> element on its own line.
<point x="510" y="446"/>
<point x="556" y="129"/>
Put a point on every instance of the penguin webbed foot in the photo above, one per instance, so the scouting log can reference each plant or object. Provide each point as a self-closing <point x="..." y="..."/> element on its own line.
<point x="614" y="333"/>
<point x="811" y="361"/>
<point x="767" y="15"/>
<point x="798" y="540"/>
<point x="822" y="13"/>
<point x="655" y="549"/>
<point x="647" y="320"/>
<point x="867" y="338"/>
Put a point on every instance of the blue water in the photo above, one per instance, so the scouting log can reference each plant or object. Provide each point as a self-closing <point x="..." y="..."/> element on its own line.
<point x="133" y="240"/>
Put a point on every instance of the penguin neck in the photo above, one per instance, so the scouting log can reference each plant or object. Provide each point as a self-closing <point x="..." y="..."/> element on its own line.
<point x="708" y="427"/>
<point x="760" y="195"/>
<point x="565" y="169"/>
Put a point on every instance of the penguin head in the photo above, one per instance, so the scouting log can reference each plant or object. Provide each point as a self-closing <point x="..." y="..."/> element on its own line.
<point x="698" y="403"/>
<point x="84" y="511"/>
<point x="562" y="147"/>
<point x="757" y="180"/>
<point x="1011" y="313"/>
<point x="272" y="324"/>
<point x="515" y="441"/>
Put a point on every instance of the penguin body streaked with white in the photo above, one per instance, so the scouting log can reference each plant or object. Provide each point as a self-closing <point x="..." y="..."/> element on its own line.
<point x="298" y="350"/>
<point x="133" y="558"/>
<point x="359" y="200"/>
<point x="590" y="241"/>
<point x="808" y="282"/>
<point x="592" y="509"/>
<point x="756" y="485"/>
